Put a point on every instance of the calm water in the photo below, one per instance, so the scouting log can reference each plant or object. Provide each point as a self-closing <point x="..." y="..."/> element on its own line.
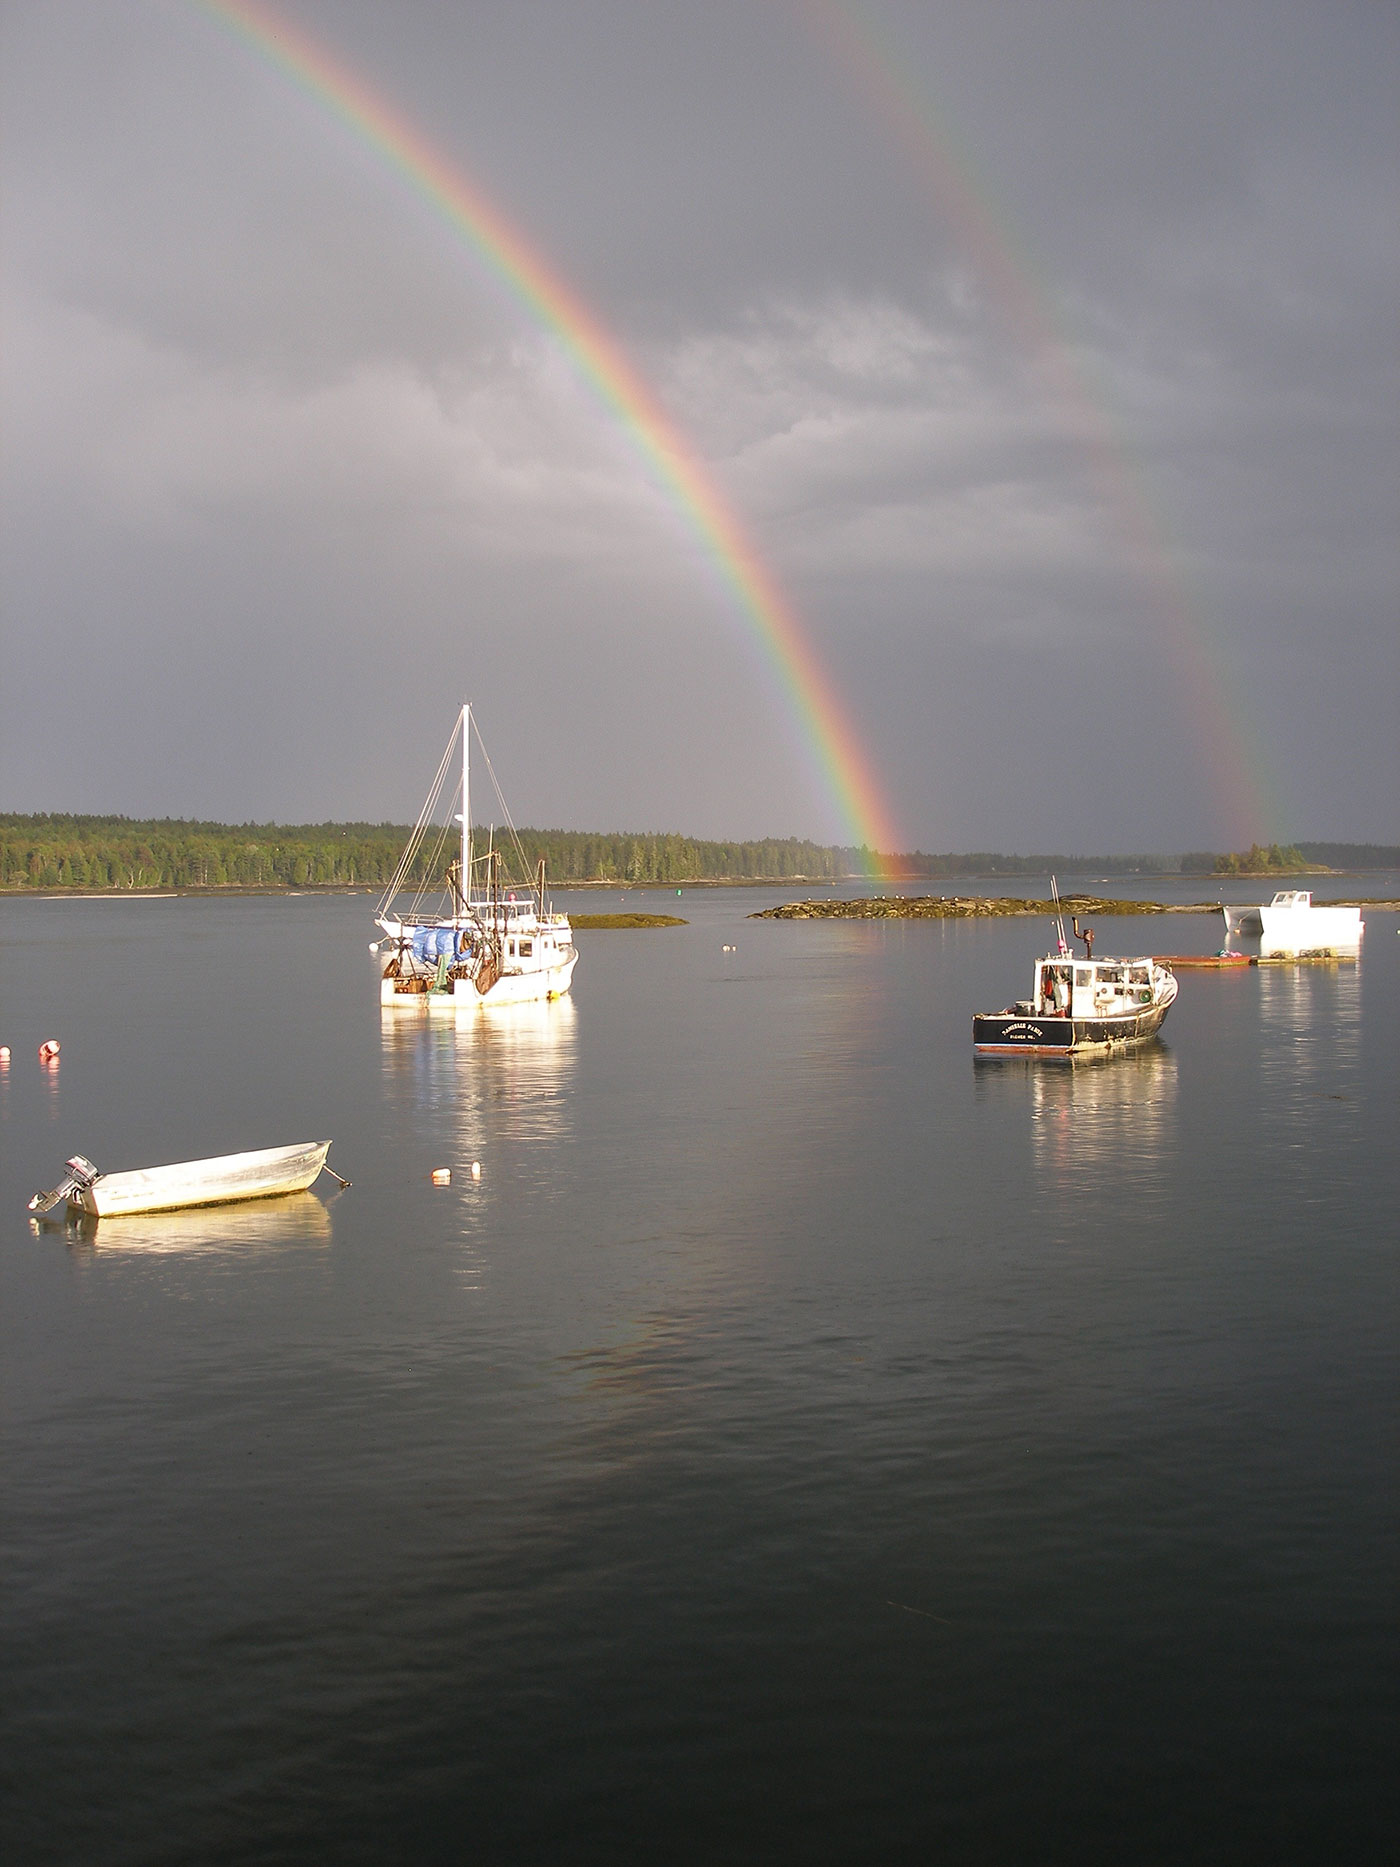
<point x="802" y="1444"/>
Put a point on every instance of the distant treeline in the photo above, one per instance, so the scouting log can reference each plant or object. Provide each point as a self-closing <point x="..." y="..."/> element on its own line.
<point x="123" y="852"/>
<point x="1352" y="855"/>
<point x="1292" y="859"/>
<point x="1264" y="859"/>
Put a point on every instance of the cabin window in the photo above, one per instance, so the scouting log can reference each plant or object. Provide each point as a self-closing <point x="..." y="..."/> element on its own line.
<point x="1140" y="976"/>
<point x="510" y="948"/>
<point x="1083" y="975"/>
<point x="527" y="947"/>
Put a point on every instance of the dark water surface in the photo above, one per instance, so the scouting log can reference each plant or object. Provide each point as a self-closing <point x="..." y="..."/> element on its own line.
<point x="802" y="1444"/>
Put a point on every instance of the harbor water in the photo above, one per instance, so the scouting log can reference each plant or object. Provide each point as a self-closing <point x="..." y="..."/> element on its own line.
<point x="802" y="1442"/>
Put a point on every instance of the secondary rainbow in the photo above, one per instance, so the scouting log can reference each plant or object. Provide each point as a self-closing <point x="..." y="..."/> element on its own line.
<point x="1245" y="792"/>
<point x="840" y="761"/>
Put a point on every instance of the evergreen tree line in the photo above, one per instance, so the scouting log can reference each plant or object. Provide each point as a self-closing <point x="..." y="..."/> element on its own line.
<point x="121" y="852"/>
<point x="1262" y="859"/>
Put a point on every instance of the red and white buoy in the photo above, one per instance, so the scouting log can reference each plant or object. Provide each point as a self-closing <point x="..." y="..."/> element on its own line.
<point x="48" y="1050"/>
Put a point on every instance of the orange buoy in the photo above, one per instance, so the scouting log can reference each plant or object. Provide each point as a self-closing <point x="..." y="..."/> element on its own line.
<point x="48" y="1051"/>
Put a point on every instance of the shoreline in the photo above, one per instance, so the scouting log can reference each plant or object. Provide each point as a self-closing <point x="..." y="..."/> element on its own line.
<point x="835" y="907"/>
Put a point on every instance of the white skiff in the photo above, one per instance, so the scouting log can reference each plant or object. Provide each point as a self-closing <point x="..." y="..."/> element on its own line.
<point x="262" y="1174"/>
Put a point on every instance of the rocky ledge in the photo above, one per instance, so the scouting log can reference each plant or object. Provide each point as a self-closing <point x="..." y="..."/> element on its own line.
<point x="965" y="907"/>
<point x="589" y="923"/>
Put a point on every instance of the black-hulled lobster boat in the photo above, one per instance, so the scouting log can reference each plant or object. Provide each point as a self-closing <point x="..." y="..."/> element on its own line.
<point x="1079" y="1006"/>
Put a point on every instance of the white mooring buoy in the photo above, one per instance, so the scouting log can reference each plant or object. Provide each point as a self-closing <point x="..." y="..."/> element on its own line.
<point x="442" y="1176"/>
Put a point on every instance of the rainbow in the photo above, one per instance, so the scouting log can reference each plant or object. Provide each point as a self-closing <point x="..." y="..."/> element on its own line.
<point x="1246" y="794"/>
<point x="508" y="255"/>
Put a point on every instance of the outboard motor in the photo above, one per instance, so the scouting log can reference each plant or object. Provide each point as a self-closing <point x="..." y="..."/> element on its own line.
<point x="81" y="1173"/>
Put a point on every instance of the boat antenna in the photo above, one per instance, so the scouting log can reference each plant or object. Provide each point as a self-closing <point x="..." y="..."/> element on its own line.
<point x="1059" y="919"/>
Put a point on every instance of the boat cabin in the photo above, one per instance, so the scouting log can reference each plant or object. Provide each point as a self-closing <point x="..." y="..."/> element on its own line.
<point x="541" y="946"/>
<point x="1098" y="988"/>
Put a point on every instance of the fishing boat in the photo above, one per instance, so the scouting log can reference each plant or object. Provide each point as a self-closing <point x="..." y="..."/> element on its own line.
<point x="262" y="1174"/>
<point x="1290" y="927"/>
<point x="1294" y="929"/>
<point x="1079" y="1006"/>
<point x="487" y="942"/>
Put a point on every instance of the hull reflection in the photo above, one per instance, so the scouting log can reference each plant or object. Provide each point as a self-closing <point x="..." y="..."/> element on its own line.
<point x="507" y="1075"/>
<point x="294" y="1219"/>
<point x="1118" y="1116"/>
<point x="1310" y="1027"/>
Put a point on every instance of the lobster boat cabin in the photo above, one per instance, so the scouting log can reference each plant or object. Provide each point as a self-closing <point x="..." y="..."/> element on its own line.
<point x="1077" y="1007"/>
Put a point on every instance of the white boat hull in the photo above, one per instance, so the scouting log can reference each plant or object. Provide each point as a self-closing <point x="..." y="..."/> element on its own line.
<point x="1241" y="922"/>
<point x="1290" y="927"/>
<point x="259" y="1175"/>
<point x="1310" y="933"/>
<point x="510" y="988"/>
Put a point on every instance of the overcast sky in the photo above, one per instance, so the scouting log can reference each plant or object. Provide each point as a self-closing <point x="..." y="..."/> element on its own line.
<point x="1052" y="366"/>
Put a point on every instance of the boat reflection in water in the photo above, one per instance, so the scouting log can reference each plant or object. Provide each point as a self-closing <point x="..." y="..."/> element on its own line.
<point x="467" y="1079"/>
<point x="1310" y="1030"/>
<point x="1116" y="1118"/>
<point x="260" y="1224"/>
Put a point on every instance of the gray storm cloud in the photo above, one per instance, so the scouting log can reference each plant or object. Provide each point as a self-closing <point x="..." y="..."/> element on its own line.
<point x="286" y="473"/>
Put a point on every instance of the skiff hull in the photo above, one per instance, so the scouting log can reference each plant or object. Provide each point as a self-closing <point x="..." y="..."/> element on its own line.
<point x="263" y="1174"/>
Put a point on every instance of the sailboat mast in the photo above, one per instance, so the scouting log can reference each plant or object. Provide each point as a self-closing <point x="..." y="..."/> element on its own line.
<point x="466" y="806"/>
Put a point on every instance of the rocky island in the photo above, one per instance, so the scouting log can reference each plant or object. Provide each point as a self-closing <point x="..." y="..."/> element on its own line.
<point x="965" y="907"/>
<point x="590" y="923"/>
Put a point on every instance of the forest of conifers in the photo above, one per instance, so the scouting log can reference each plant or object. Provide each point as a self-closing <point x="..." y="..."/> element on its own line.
<point x="122" y="852"/>
<point x="119" y="852"/>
